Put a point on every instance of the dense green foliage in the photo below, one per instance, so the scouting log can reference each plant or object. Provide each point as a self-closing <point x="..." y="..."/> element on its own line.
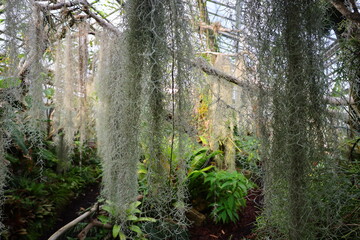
<point x="37" y="194"/>
<point x="227" y="193"/>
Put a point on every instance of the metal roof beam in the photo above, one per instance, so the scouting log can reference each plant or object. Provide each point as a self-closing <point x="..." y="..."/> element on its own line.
<point x="221" y="4"/>
<point x="215" y="14"/>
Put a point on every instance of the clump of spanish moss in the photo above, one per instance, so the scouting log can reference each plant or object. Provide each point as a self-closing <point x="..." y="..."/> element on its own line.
<point x="83" y="115"/>
<point x="117" y="124"/>
<point x="142" y="79"/>
<point x="3" y="175"/>
<point x="166" y="82"/>
<point x="65" y="99"/>
<point x="35" y="78"/>
<point x="34" y="124"/>
<point x="10" y="94"/>
<point x="70" y="82"/>
<point x="299" y="170"/>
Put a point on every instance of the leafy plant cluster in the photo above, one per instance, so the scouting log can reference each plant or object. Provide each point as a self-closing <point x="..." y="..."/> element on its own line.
<point x="248" y="155"/>
<point x="133" y="226"/>
<point x="37" y="193"/>
<point x="225" y="191"/>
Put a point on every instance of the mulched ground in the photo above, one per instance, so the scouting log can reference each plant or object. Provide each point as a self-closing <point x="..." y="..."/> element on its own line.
<point x="233" y="231"/>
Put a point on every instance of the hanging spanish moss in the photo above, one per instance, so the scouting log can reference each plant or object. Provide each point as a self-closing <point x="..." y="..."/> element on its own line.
<point x="66" y="101"/>
<point x="10" y="94"/>
<point x="142" y="79"/>
<point x="69" y="99"/>
<point x="222" y="116"/>
<point x="155" y="76"/>
<point x="83" y="119"/>
<point x="70" y="82"/>
<point x="166" y="112"/>
<point x="182" y="53"/>
<point x="292" y="119"/>
<point x="3" y="174"/>
<point x="117" y="123"/>
<point x="35" y="81"/>
<point x="35" y="77"/>
<point x="15" y="14"/>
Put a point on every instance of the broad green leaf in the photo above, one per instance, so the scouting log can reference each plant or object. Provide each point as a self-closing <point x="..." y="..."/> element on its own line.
<point x="132" y="211"/>
<point x="194" y="174"/>
<point x="135" y="204"/>
<point x="122" y="236"/>
<point x="11" y="158"/>
<point x="143" y="171"/>
<point x="107" y="208"/>
<point x="116" y="230"/>
<point x="243" y="202"/>
<point x="197" y="162"/>
<point x="207" y="168"/>
<point x="103" y="219"/>
<point x="199" y="151"/>
<point x="9" y="82"/>
<point x="223" y="217"/>
<point x="146" y="219"/>
<point x="243" y="187"/>
<point x="135" y="228"/>
<point x="132" y="218"/>
<point x="226" y="184"/>
<point x="230" y="214"/>
<point x="19" y="138"/>
<point x="231" y="202"/>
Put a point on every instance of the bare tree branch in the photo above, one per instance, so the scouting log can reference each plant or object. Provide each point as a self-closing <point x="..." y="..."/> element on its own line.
<point x="57" y="6"/>
<point x="98" y="19"/>
<point x="338" y="101"/>
<point x="65" y="228"/>
<point x="341" y="7"/>
<point x="94" y="223"/>
<point x="208" y="69"/>
<point x="86" y="8"/>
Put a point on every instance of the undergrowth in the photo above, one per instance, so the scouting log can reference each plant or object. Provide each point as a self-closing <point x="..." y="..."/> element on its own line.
<point x="36" y="194"/>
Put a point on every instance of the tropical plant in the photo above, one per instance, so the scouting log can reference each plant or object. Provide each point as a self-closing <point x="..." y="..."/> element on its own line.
<point x="201" y="158"/>
<point x="131" y="227"/>
<point x="248" y="155"/>
<point x="227" y="193"/>
<point x="199" y="164"/>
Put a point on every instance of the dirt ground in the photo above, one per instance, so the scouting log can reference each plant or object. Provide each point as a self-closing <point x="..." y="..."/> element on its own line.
<point x="82" y="202"/>
<point x="208" y="231"/>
